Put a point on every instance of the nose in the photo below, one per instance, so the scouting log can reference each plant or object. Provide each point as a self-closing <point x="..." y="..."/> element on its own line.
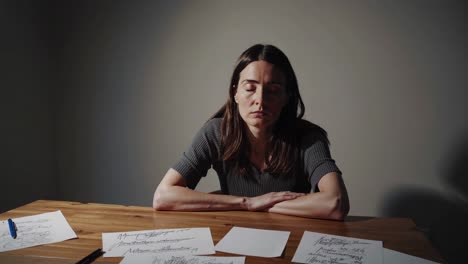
<point x="260" y="97"/>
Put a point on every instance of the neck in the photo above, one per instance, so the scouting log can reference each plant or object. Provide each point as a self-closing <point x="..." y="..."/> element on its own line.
<point x="258" y="139"/>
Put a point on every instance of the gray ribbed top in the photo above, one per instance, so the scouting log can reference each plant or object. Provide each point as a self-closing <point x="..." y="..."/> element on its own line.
<point x="314" y="162"/>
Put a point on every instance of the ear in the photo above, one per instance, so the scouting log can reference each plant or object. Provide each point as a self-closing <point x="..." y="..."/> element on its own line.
<point x="235" y="94"/>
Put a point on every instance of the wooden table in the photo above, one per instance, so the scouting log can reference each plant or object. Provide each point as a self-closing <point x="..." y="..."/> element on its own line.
<point x="89" y="220"/>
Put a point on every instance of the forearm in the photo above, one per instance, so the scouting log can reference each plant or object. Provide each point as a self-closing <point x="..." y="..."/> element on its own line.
<point x="180" y="198"/>
<point x="315" y="205"/>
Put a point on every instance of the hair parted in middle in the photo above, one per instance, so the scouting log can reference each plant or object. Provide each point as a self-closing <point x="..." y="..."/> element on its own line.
<point x="283" y="153"/>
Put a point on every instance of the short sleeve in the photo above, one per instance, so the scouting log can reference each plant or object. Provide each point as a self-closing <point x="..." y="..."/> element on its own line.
<point x="317" y="160"/>
<point x="199" y="157"/>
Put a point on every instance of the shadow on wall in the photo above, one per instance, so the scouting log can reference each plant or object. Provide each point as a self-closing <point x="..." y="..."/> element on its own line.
<point x="442" y="217"/>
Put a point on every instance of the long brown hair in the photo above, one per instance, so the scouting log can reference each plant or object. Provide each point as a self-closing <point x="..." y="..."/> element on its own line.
<point x="234" y="142"/>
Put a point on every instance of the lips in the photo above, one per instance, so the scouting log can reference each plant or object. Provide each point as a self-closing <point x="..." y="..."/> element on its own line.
<point x="259" y="113"/>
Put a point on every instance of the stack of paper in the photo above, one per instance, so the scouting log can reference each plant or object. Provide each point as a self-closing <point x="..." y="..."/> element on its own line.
<point x="186" y="241"/>
<point x="171" y="259"/>
<point x="164" y="246"/>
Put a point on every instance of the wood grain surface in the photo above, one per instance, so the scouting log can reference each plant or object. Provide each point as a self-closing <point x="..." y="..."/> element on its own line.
<point x="90" y="220"/>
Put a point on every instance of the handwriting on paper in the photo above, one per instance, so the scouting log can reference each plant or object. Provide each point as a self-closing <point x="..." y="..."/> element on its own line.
<point x="36" y="230"/>
<point x="329" y="249"/>
<point x="184" y="259"/>
<point x="192" y="241"/>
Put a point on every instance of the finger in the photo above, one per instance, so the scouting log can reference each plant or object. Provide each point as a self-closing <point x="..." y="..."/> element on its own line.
<point x="299" y="194"/>
<point x="283" y="198"/>
<point x="291" y="193"/>
<point x="292" y="196"/>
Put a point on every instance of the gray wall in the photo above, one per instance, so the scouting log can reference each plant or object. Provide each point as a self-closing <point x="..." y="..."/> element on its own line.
<point x="27" y="159"/>
<point x="385" y="79"/>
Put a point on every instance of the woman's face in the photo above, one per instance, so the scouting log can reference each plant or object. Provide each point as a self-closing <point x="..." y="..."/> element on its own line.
<point x="261" y="94"/>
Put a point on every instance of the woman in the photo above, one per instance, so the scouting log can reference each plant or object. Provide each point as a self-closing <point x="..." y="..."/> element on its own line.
<point x="266" y="156"/>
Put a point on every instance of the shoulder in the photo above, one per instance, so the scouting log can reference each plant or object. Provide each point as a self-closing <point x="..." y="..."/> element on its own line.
<point x="309" y="133"/>
<point x="213" y="125"/>
<point x="211" y="129"/>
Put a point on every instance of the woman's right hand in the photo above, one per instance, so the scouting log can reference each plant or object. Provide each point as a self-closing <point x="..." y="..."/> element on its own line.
<point x="265" y="201"/>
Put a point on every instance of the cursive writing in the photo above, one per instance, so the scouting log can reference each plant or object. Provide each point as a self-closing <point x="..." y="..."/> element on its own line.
<point x="164" y="249"/>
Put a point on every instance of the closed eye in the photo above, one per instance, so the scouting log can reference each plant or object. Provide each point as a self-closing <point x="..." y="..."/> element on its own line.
<point x="249" y="87"/>
<point x="275" y="89"/>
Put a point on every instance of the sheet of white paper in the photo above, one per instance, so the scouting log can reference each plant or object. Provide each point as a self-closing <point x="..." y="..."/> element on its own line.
<point x="171" y="259"/>
<point x="254" y="242"/>
<point x="191" y="241"/>
<point x="35" y="230"/>
<point x="395" y="257"/>
<point x="328" y="249"/>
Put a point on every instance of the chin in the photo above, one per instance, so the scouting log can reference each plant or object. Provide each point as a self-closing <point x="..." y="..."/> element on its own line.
<point x="260" y="123"/>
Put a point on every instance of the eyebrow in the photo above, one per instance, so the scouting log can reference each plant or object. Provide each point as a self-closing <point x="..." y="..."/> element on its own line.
<point x="255" y="81"/>
<point x="250" y="81"/>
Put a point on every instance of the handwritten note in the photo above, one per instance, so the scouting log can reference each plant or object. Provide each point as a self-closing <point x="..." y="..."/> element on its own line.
<point x="35" y="230"/>
<point x="253" y="242"/>
<point x="329" y="249"/>
<point x="170" y="259"/>
<point x="192" y="241"/>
